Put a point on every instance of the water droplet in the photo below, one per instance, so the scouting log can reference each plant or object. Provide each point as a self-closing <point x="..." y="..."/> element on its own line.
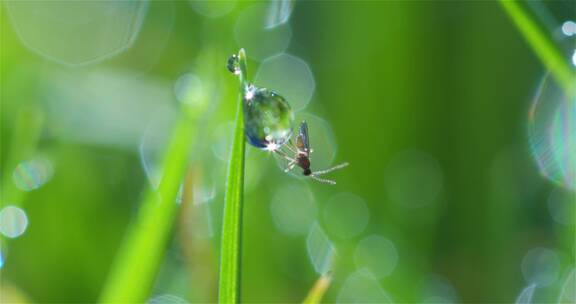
<point x="279" y="13"/>
<point x="291" y="76"/>
<point x="551" y="130"/>
<point x="376" y="254"/>
<point x="346" y="215"/>
<point x="78" y="32"/>
<point x="562" y="207"/>
<point x="212" y="9"/>
<point x="409" y="168"/>
<point x="525" y="296"/>
<point x="268" y="118"/>
<point x="540" y="266"/>
<point x="251" y="33"/>
<point x="13" y="221"/>
<point x="294" y="209"/>
<point x="32" y="174"/>
<point x="233" y="64"/>
<point x="320" y="249"/>
<point x="189" y="90"/>
<point x="362" y="287"/>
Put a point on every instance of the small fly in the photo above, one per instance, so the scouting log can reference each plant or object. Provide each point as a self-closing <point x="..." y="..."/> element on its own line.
<point x="301" y="158"/>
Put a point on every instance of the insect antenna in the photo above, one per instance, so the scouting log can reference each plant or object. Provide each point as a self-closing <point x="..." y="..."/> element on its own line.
<point x="322" y="180"/>
<point x="342" y="165"/>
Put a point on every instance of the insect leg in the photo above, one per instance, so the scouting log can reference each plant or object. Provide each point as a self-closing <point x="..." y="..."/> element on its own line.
<point x="322" y="180"/>
<point x="342" y="165"/>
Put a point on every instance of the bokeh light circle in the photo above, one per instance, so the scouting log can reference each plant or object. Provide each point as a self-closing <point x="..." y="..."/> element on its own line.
<point x="540" y="266"/>
<point x="376" y="254"/>
<point x="552" y="133"/>
<point x="290" y="76"/>
<point x="362" y="287"/>
<point x="437" y="289"/>
<point x="251" y="33"/>
<point x="413" y="179"/>
<point x="77" y="32"/>
<point x="189" y="90"/>
<point x="32" y="174"/>
<point x="320" y="250"/>
<point x="562" y="206"/>
<point x="345" y="215"/>
<point x="212" y="9"/>
<point x="294" y="209"/>
<point x="13" y="221"/>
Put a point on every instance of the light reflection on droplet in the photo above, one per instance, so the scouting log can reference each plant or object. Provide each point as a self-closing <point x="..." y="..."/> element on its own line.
<point x="212" y="9"/>
<point x="322" y="142"/>
<point x="293" y="209"/>
<point x="345" y="215"/>
<point x="189" y="90"/>
<point x="551" y="130"/>
<point x="13" y="221"/>
<point x="251" y="33"/>
<point x="569" y="28"/>
<point x="290" y="76"/>
<point x="222" y="140"/>
<point x="320" y="249"/>
<point x="32" y="174"/>
<point x="526" y="295"/>
<point x="540" y="266"/>
<point x="409" y="169"/>
<point x="77" y="32"/>
<point x="376" y="254"/>
<point x="167" y="299"/>
<point x="562" y="207"/>
<point x="568" y="292"/>
<point x="437" y="289"/>
<point x="362" y="287"/>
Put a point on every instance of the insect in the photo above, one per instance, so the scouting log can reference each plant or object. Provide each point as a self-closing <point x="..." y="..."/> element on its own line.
<point x="301" y="150"/>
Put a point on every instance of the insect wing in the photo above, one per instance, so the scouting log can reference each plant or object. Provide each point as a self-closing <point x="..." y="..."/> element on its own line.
<point x="303" y="140"/>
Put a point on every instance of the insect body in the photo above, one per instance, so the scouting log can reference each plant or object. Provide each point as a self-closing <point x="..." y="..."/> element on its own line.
<point x="301" y="150"/>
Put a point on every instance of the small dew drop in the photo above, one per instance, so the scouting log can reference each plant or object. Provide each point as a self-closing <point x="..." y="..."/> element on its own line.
<point x="233" y="64"/>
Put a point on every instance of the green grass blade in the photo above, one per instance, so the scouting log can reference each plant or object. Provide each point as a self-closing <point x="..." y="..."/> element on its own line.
<point x="231" y="248"/>
<point x="317" y="292"/>
<point x="542" y="44"/>
<point x="139" y="258"/>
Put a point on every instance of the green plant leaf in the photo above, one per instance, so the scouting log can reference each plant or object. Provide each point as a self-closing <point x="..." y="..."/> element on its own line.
<point x="231" y="248"/>
<point x="543" y="46"/>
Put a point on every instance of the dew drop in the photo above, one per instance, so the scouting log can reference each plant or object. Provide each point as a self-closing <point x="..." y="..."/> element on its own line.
<point x="233" y="64"/>
<point x="268" y="118"/>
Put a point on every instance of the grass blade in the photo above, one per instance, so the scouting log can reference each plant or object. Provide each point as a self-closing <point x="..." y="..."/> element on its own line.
<point x="317" y="292"/>
<point x="231" y="248"/>
<point x="543" y="46"/>
<point x="139" y="258"/>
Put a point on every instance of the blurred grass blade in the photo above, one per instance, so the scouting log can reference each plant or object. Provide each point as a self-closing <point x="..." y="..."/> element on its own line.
<point x="542" y="44"/>
<point x="139" y="258"/>
<point x="231" y="248"/>
<point x="317" y="292"/>
<point x="526" y="295"/>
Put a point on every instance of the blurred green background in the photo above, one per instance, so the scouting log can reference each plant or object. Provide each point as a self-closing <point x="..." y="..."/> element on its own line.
<point x="444" y="200"/>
